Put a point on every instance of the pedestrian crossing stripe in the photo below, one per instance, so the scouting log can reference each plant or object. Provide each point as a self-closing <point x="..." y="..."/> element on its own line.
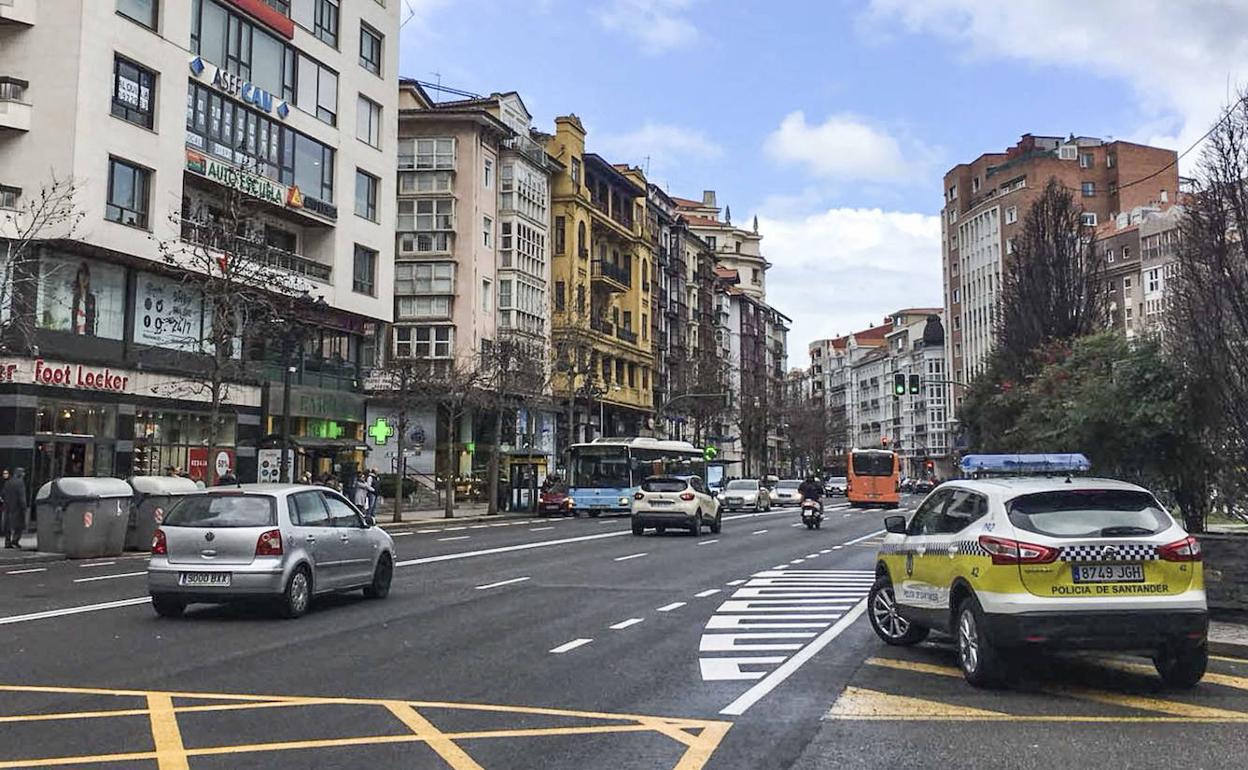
<point x="775" y="613"/>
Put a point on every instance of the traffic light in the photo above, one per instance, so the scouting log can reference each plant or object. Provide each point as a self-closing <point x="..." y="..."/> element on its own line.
<point x="899" y="385"/>
<point x="916" y="384"/>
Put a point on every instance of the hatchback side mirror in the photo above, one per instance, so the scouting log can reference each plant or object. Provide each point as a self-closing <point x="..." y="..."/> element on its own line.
<point x="895" y="524"/>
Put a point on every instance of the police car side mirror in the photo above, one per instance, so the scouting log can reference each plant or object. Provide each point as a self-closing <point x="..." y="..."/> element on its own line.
<point x="895" y="524"/>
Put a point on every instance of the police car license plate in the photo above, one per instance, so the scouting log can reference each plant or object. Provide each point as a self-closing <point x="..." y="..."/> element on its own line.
<point x="205" y="579"/>
<point x="1108" y="573"/>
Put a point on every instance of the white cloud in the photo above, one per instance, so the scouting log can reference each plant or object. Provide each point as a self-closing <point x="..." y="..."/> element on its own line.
<point x="1183" y="60"/>
<point x="665" y="147"/>
<point x="659" y="25"/>
<point x="837" y="271"/>
<point x="843" y="148"/>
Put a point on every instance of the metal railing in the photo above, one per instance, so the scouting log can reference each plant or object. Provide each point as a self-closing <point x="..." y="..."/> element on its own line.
<point x="602" y="325"/>
<point x="210" y="237"/>
<point x="613" y="272"/>
<point x="12" y="89"/>
<point x="628" y="335"/>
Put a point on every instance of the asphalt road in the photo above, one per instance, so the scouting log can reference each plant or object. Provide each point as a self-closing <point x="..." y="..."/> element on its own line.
<point x="560" y="644"/>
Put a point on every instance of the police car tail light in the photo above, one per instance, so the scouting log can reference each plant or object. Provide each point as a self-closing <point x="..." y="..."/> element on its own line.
<point x="1187" y="549"/>
<point x="1006" y="551"/>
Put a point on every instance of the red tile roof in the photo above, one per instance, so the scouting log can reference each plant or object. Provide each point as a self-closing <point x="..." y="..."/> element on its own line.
<point x="686" y="202"/>
<point x="728" y="274"/>
<point x="702" y="221"/>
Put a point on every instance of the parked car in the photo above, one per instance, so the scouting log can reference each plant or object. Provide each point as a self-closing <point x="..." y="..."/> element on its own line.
<point x="555" y="500"/>
<point x="745" y="494"/>
<point x="835" y="485"/>
<point x="285" y="542"/>
<point x="674" y="501"/>
<point x="786" y="492"/>
<point x="906" y="486"/>
<point x="922" y="486"/>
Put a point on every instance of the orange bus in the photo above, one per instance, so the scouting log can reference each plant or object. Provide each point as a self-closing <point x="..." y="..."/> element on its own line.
<point x="873" y="478"/>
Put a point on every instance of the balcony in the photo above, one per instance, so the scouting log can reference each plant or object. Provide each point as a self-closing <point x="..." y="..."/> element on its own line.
<point x="15" y="112"/>
<point x="602" y="325"/>
<point x="612" y="276"/>
<point x="17" y="12"/>
<point x="628" y="335"/>
<point x="272" y="256"/>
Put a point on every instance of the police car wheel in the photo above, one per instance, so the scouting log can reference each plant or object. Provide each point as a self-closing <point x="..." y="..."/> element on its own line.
<point x="981" y="663"/>
<point x="1182" y="666"/>
<point x="889" y="625"/>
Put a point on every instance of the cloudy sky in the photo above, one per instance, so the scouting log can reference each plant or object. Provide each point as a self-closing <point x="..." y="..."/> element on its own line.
<point x="833" y="121"/>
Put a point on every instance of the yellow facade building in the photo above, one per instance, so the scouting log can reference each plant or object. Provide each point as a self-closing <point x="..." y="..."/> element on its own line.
<point x="602" y="269"/>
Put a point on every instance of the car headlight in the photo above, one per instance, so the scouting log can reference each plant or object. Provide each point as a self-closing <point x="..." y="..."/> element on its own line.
<point x="623" y="501"/>
<point x="571" y="503"/>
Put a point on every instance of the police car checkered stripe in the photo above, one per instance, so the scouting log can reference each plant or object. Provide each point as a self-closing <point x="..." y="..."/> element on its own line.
<point x="971" y="548"/>
<point x="1123" y="552"/>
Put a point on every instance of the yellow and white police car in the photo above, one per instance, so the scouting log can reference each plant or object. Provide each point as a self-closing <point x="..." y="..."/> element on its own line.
<point x="1056" y="561"/>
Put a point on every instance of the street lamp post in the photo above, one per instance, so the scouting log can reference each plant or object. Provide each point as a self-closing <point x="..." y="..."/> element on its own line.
<point x="284" y="462"/>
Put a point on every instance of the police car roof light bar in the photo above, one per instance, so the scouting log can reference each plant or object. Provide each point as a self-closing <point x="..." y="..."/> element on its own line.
<point x="1025" y="464"/>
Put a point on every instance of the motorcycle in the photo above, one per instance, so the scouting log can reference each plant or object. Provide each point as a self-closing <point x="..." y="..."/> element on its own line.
<point x="812" y="514"/>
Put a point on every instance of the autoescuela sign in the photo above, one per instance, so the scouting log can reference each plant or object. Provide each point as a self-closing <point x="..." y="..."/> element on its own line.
<point x="249" y="184"/>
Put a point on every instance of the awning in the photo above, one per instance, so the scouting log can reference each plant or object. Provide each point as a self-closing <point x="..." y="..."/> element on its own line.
<point x="340" y="444"/>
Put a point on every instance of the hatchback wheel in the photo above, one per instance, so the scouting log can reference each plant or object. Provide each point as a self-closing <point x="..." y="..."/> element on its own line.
<point x="981" y="663"/>
<point x="638" y="529"/>
<point x="696" y="528"/>
<point x="298" y="594"/>
<point x="382" y="577"/>
<point x="718" y="524"/>
<point x="168" y="606"/>
<point x="1182" y="665"/>
<point x="888" y="623"/>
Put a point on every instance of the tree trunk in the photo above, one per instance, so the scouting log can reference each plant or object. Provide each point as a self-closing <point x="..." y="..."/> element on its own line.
<point x="571" y="427"/>
<point x="451" y="471"/>
<point x="214" y="419"/>
<point x="400" y="466"/>
<point x="491" y="482"/>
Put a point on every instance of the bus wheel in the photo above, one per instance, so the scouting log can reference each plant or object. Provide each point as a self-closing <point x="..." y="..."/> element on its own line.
<point x="593" y="514"/>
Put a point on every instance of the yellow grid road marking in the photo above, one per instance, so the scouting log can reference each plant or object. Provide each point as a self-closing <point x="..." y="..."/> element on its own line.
<point x="699" y="737"/>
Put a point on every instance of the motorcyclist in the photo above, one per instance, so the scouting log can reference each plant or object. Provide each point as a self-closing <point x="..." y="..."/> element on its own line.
<point x="812" y="489"/>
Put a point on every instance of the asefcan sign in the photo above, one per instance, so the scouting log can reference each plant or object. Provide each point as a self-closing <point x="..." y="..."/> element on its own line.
<point x="239" y="88"/>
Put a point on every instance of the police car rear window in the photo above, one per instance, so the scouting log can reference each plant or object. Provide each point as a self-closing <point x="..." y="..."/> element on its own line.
<point x="1089" y="513"/>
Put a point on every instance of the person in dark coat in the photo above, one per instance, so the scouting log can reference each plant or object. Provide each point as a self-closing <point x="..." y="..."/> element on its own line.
<point x="14" y="494"/>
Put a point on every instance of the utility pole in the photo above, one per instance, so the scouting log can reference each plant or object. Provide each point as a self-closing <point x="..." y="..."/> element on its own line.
<point x="401" y="460"/>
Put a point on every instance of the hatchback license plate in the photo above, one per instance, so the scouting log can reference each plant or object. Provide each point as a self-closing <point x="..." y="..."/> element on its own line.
<point x="205" y="579"/>
<point x="1108" y="573"/>
<point x="660" y="502"/>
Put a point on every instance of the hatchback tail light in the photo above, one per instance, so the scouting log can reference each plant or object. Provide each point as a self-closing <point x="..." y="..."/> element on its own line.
<point x="1006" y="551"/>
<point x="160" y="547"/>
<point x="639" y="496"/>
<point x="1187" y="549"/>
<point x="270" y="543"/>
<point x="686" y="496"/>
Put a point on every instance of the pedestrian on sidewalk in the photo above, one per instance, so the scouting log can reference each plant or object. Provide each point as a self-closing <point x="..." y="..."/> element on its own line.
<point x="362" y="491"/>
<point x="14" y="496"/>
<point x="374" y="484"/>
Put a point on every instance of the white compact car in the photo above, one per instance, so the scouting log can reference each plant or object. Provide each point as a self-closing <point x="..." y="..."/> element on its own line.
<point x="787" y="492"/>
<point x="675" y="501"/>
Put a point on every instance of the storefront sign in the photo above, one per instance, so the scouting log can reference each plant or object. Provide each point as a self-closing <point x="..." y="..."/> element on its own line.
<point x="235" y="86"/>
<point x="383" y="424"/>
<point x="197" y="463"/>
<point x="167" y="313"/>
<point x="323" y="404"/>
<point x="79" y="376"/>
<point x="247" y="183"/>
<point x="269" y="465"/>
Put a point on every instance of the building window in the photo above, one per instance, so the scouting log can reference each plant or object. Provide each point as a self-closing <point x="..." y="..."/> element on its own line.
<point x="1089" y="189"/>
<point x="1088" y="219"/>
<point x="576" y="173"/>
<point x="487" y="173"/>
<point x="757" y="275"/>
<point x="424" y="278"/>
<point x="1126" y="285"/>
<point x="561" y="226"/>
<point x="424" y="307"/>
<point x="142" y="11"/>
<point x="1085" y="160"/>
<point x="1109" y="256"/>
<point x="1110" y="159"/>
<point x="317" y="90"/>
<point x="366" y="195"/>
<point x="504" y="294"/>
<point x="561" y="299"/>
<point x="957" y="323"/>
<point x="368" y="121"/>
<point x="428" y="215"/>
<point x="427" y="154"/>
<point x="710" y="242"/>
<point x="487" y="231"/>
<point x="645" y="327"/>
<point x="370" y="49"/>
<point x="957" y="295"/>
<point x="1154" y="275"/>
<point x="487" y="295"/>
<point x="974" y="184"/>
<point x="1011" y="215"/>
<point x="423" y="341"/>
<point x="9" y="196"/>
<point x="133" y="89"/>
<point x="1009" y="249"/>
<point x="128" y="190"/>
<point x="1068" y="152"/>
<point x="1126" y="253"/>
<point x="581" y="249"/>
<point x="364" y="275"/>
<point x="325" y="22"/>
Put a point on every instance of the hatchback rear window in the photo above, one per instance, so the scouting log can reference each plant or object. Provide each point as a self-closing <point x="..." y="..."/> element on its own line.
<point x="664" y="485"/>
<point x="223" y="511"/>
<point x="1089" y="513"/>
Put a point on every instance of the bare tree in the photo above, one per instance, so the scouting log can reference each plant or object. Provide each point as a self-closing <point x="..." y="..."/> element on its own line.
<point x="514" y="374"/>
<point x="575" y="365"/>
<point x="1052" y="290"/>
<point x="52" y="213"/>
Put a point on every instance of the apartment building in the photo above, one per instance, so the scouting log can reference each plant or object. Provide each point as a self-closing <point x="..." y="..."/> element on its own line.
<point x="986" y="201"/>
<point x="601" y="269"/>
<point x="160" y="113"/>
<point x="734" y="248"/>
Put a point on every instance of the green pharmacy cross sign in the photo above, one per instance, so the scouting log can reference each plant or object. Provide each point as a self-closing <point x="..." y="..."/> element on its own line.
<point x="381" y="431"/>
<point x="710" y="453"/>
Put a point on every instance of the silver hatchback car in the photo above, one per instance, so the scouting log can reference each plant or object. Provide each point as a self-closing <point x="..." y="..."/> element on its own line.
<point x="281" y="541"/>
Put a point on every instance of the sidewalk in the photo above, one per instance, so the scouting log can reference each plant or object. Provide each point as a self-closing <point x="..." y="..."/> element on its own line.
<point x="10" y="559"/>
<point x="1227" y="637"/>
<point x="465" y="512"/>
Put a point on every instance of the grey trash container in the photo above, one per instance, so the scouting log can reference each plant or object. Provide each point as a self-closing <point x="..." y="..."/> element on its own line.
<point x="82" y="517"/>
<point x="153" y="497"/>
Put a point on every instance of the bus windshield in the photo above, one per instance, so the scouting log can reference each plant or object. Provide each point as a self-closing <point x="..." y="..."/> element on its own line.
<point x="660" y="462"/>
<point x="873" y="463"/>
<point x="601" y="467"/>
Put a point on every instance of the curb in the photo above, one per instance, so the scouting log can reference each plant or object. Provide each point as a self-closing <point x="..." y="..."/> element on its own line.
<point x="456" y="519"/>
<point x="1230" y="649"/>
<point x="33" y="558"/>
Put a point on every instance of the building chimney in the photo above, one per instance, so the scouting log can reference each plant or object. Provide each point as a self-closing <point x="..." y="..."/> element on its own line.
<point x="708" y="198"/>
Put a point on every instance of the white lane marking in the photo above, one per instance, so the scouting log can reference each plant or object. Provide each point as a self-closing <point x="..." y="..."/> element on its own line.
<point x="864" y="537"/>
<point x="781" y="566"/>
<point x="846" y="516"/>
<point x="625" y="624"/>
<point x="706" y="593"/>
<point x="734" y="582"/>
<point x="572" y="645"/>
<point x="759" y="532"/>
<point x="427" y="531"/>
<point x="98" y="564"/>
<point x="449" y="539"/>
<point x="826" y="550"/>
<point x="797" y="561"/>
<point x="507" y="549"/>
<point x="723" y="669"/>
<point x="670" y="607"/>
<point x="733" y="642"/>
<point x="74" y="610"/>
<point x="480" y="526"/>
<point x="631" y="556"/>
<point x="539" y="529"/>
<point x="26" y="571"/>
<point x="708" y="542"/>
<point x="798" y="524"/>
<point x="837" y="547"/>
<point x="110" y="577"/>
<point x="452" y="529"/>
<point x="401" y="534"/>
<point x="502" y="583"/>
<point x="811" y="555"/>
<point x="786" y="669"/>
